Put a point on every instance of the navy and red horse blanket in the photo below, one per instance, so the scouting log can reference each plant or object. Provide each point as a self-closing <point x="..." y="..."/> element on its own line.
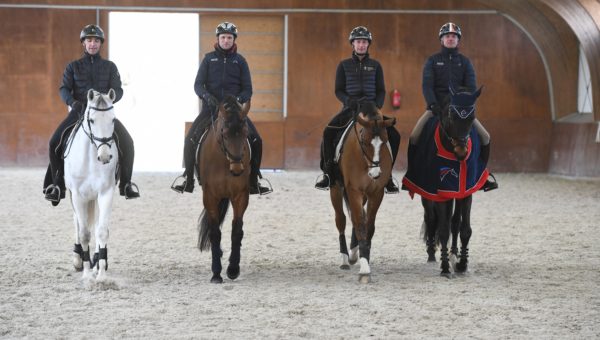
<point x="435" y="173"/>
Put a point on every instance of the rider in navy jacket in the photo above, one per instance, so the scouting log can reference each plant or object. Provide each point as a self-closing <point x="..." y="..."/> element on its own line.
<point x="357" y="79"/>
<point x="222" y="72"/>
<point x="442" y="70"/>
<point x="89" y="72"/>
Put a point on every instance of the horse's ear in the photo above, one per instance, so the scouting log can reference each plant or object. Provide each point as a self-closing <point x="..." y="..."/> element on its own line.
<point x="112" y="95"/>
<point x="361" y="119"/>
<point x="478" y="92"/>
<point x="451" y="90"/>
<point x="90" y="95"/>
<point x="389" y="122"/>
<point x="245" y="109"/>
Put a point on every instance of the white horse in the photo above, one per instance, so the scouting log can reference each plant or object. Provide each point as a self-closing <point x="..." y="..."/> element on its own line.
<point x="91" y="159"/>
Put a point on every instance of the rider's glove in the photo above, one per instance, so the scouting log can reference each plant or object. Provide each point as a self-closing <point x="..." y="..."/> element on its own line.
<point x="77" y="106"/>
<point x="211" y="100"/>
<point x="436" y="109"/>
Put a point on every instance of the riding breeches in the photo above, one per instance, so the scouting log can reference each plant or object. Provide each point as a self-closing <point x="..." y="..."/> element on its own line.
<point x="55" y="172"/>
<point x="416" y="132"/>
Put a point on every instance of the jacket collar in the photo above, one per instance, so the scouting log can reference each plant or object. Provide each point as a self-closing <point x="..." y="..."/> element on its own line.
<point x="449" y="51"/>
<point x="229" y="52"/>
<point x="356" y="59"/>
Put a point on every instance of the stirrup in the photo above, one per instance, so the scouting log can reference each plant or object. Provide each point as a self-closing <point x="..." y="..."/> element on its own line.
<point x="181" y="187"/>
<point x="324" y="176"/>
<point x="396" y="189"/>
<point x="135" y="193"/>
<point x="49" y="194"/>
<point x="259" y="189"/>
<point x="490" y="185"/>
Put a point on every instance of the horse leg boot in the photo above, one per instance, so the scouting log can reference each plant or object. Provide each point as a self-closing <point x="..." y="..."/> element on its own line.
<point x="237" y="233"/>
<point x="394" y="140"/>
<point x="217" y="253"/>
<point x="125" y="144"/>
<point x="364" y="274"/>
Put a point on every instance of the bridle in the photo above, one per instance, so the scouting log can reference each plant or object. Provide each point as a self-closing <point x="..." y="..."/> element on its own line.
<point x="375" y="131"/>
<point x="93" y="139"/>
<point x="463" y="114"/>
<point x="221" y="141"/>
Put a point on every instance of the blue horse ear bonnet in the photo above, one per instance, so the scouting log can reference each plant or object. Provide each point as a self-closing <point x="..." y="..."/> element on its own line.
<point x="463" y="98"/>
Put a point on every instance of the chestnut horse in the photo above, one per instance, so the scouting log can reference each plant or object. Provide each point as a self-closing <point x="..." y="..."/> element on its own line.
<point x="365" y="167"/>
<point x="224" y="165"/>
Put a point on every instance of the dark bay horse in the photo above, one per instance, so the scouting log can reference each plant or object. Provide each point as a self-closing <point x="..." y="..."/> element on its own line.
<point x="445" y="167"/>
<point x="224" y="165"/>
<point x="365" y="167"/>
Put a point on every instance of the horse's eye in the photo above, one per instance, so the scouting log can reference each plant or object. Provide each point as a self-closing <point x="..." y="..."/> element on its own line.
<point x="91" y="121"/>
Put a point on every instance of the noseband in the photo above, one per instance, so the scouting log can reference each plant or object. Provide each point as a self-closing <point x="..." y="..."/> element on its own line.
<point x="104" y="140"/>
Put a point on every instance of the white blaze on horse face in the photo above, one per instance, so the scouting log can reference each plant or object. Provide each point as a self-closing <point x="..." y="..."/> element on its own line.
<point x="375" y="172"/>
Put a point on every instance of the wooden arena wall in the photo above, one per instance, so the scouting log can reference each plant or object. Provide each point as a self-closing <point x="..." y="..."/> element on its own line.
<point x="513" y="44"/>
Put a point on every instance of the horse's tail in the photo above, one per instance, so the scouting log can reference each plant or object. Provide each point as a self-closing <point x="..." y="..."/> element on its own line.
<point x="203" y="225"/>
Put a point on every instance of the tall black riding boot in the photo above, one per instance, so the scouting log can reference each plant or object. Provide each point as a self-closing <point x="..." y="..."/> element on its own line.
<point x="256" y="149"/>
<point x="327" y="164"/>
<point x="394" y="140"/>
<point x="485" y="156"/>
<point x="126" y="155"/>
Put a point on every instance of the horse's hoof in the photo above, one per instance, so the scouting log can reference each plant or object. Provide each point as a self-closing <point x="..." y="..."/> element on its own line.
<point x="216" y="279"/>
<point x="461" y="267"/>
<point x="431" y="259"/>
<point x="364" y="278"/>
<point x="447" y="275"/>
<point x="345" y="266"/>
<point x="233" y="273"/>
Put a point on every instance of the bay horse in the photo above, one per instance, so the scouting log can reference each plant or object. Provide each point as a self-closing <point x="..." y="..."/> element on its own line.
<point x="91" y="159"/>
<point x="445" y="167"/>
<point x="224" y="165"/>
<point x="365" y="168"/>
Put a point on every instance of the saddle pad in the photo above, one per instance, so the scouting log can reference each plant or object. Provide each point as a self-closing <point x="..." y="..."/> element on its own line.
<point x="436" y="174"/>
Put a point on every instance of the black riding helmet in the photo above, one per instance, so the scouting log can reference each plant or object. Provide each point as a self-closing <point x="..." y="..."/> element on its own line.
<point x="226" y="27"/>
<point x="91" y="31"/>
<point x="360" y="32"/>
<point x="450" y="27"/>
